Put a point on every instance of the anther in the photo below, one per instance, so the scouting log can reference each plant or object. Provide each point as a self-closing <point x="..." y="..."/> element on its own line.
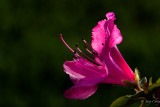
<point x="75" y="57"/>
<point x="85" y="47"/>
<point x="95" y="53"/>
<point x="85" y="55"/>
<point x="75" y="51"/>
<point x="76" y="45"/>
<point x="102" y="43"/>
<point x="87" y="43"/>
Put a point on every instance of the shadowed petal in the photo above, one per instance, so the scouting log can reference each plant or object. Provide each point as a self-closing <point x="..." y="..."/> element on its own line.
<point x="84" y="88"/>
<point x="85" y="75"/>
<point x="80" y="92"/>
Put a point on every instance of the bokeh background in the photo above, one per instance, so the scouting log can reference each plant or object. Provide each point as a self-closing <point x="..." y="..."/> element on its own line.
<point x="32" y="54"/>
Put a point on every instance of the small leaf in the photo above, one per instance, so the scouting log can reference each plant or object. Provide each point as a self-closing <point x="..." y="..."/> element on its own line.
<point x="150" y="81"/>
<point x="125" y="101"/>
<point x="136" y="76"/>
<point x="143" y="83"/>
<point x="152" y="87"/>
<point x="158" y="81"/>
<point x="138" y="95"/>
<point x="130" y="84"/>
<point x="122" y="101"/>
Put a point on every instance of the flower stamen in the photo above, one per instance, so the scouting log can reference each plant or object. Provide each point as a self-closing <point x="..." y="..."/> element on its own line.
<point x="86" y="43"/>
<point x="77" y="47"/>
<point x="94" y="52"/>
<point x="65" y="43"/>
<point x="88" y="50"/>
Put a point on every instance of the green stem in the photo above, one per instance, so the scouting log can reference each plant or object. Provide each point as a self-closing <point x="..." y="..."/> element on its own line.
<point x="142" y="104"/>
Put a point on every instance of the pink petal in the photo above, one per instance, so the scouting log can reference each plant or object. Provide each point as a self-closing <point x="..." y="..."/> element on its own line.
<point x="116" y="37"/>
<point x="119" y="60"/>
<point x="108" y="27"/>
<point x="114" y="79"/>
<point x="117" y="72"/>
<point x="84" y="88"/>
<point x="110" y="15"/>
<point x="80" y="92"/>
<point x="81" y="68"/>
<point x="108" y="54"/>
<point x="98" y="36"/>
<point x="85" y="75"/>
<point x="105" y="30"/>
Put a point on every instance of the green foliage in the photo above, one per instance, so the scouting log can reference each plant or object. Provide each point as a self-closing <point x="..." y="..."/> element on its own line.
<point x="153" y="87"/>
<point x="125" y="101"/>
<point x="144" y="91"/>
<point x="158" y="81"/>
<point x="150" y="81"/>
<point x="122" y="101"/>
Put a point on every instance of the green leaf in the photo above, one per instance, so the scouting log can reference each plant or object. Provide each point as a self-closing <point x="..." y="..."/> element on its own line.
<point x="152" y="87"/>
<point x="122" y="101"/>
<point x="150" y="81"/>
<point x="127" y="100"/>
<point x="158" y="81"/>
<point x="139" y="94"/>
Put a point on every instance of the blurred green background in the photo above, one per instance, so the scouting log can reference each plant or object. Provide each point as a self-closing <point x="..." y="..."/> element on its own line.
<point x="32" y="54"/>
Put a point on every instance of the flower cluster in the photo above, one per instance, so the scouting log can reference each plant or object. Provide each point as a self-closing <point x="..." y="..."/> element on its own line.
<point x="109" y="66"/>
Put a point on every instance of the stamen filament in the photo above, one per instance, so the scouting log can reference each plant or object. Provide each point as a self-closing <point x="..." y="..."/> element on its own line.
<point x="88" y="50"/>
<point x="94" y="52"/>
<point x="85" y="54"/>
<point x="86" y="43"/>
<point x="65" y="43"/>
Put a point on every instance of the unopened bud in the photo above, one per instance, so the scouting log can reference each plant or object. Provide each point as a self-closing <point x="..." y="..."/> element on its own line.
<point x="136" y="76"/>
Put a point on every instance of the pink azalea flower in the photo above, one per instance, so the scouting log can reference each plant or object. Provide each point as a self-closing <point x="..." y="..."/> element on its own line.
<point x="109" y="67"/>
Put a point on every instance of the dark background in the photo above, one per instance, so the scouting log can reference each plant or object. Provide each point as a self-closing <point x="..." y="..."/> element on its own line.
<point x="32" y="54"/>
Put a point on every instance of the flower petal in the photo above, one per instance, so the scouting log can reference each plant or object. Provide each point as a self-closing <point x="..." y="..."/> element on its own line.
<point x="105" y="30"/>
<point x="116" y="70"/>
<point x="80" y="92"/>
<point x="108" y="54"/>
<point x="98" y="36"/>
<point x="110" y="15"/>
<point x="119" y="60"/>
<point x="116" y="37"/>
<point x="82" y="68"/>
<point x="85" y="75"/>
<point x="84" y="88"/>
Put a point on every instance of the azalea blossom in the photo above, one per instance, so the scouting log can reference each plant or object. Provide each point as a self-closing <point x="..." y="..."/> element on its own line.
<point x="108" y="67"/>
